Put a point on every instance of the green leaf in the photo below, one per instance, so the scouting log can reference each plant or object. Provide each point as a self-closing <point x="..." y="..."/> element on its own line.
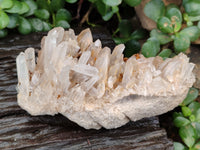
<point x="188" y="135"/>
<point x="196" y="146"/>
<point x="196" y="126"/>
<point x="42" y="14"/>
<point x="16" y="8"/>
<point x="192" y="118"/>
<point x="119" y="40"/>
<point x="186" y="111"/>
<point x="125" y="28"/>
<point x="25" y="8"/>
<point x="131" y="47"/>
<point x="46" y="26"/>
<point x="5" y="4"/>
<point x="192" y="32"/>
<point x="165" y="25"/>
<point x="3" y="33"/>
<point x="112" y="2"/>
<point x="151" y="47"/>
<point x="197" y="115"/>
<point x="172" y="5"/>
<point x="198" y="25"/>
<point x="107" y="16"/>
<point x="36" y="24"/>
<point x="32" y="5"/>
<point x="56" y="5"/>
<point x="43" y="4"/>
<point x="63" y="14"/>
<point x="4" y="19"/>
<point x="24" y="26"/>
<point x="139" y="34"/>
<point x="162" y="37"/>
<point x="194" y="106"/>
<point x="191" y="96"/>
<point x="192" y="7"/>
<point x="63" y="23"/>
<point x="71" y="1"/>
<point x="132" y="3"/>
<point x="181" y="121"/>
<point x="175" y="16"/>
<point x="154" y="9"/>
<point x="165" y="53"/>
<point x="179" y="146"/>
<point x="177" y="114"/>
<point x="181" y="43"/>
<point x="13" y="21"/>
<point x="102" y="8"/>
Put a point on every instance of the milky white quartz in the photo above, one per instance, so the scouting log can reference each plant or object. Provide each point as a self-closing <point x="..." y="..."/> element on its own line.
<point x="95" y="87"/>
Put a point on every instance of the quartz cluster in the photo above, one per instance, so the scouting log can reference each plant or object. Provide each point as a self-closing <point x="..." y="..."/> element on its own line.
<point x="95" y="87"/>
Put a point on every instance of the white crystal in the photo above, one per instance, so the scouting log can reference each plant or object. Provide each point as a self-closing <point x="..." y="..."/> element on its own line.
<point x="95" y="88"/>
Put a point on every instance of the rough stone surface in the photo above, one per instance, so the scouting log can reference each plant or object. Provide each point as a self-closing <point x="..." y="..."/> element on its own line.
<point x="95" y="88"/>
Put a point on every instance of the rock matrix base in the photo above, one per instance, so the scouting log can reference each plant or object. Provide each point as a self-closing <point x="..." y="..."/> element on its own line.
<point x="95" y="88"/>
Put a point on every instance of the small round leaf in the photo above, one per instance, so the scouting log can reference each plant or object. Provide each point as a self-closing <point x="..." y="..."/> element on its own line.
<point x="42" y="14"/>
<point x="36" y="24"/>
<point x="71" y="1"/>
<point x="181" y="121"/>
<point x="139" y="34"/>
<point x="191" y="96"/>
<point x="192" y="7"/>
<point x="154" y="9"/>
<point x="25" y="8"/>
<point x="132" y="3"/>
<point x="4" y="19"/>
<point x="192" y="32"/>
<point x="112" y="2"/>
<point x="131" y="47"/>
<point x="188" y="135"/>
<point x="179" y="146"/>
<point x="56" y="5"/>
<point x="162" y="37"/>
<point x="186" y="111"/>
<point x="46" y="26"/>
<point x="175" y="16"/>
<point x="165" y="53"/>
<point x="194" y="106"/>
<point x="43" y="4"/>
<point x="165" y="25"/>
<point x="6" y="4"/>
<point x="32" y="5"/>
<point x="3" y="33"/>
<point x="63" y="14"/>
<point x="24" y="26"/>
<point x="13" y="21"/>
<point x="16" y="8"/>
<point x="63" y="23"/>
<point x="181" y="43"/>
<point x="150" y="48"/>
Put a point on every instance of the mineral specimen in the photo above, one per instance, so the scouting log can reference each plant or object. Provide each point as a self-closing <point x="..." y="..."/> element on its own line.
<point x="95" y="88"/>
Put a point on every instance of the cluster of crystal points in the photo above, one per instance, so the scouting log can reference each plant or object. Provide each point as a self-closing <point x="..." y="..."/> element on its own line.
<point x="95" y="88"/>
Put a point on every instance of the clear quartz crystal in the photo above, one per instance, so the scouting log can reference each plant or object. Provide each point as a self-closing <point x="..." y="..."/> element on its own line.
<point x="95" y="87"/>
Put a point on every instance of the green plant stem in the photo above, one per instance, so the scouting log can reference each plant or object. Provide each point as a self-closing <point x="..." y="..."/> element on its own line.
<point x="116" y="31"/>
<point x="118" y="16"/>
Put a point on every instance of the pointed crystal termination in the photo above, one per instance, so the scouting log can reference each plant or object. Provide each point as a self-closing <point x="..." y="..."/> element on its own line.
<point x="95" y="88"/>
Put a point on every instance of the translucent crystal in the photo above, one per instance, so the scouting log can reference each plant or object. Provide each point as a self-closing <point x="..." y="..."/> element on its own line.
<point x="95" y="87"/>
